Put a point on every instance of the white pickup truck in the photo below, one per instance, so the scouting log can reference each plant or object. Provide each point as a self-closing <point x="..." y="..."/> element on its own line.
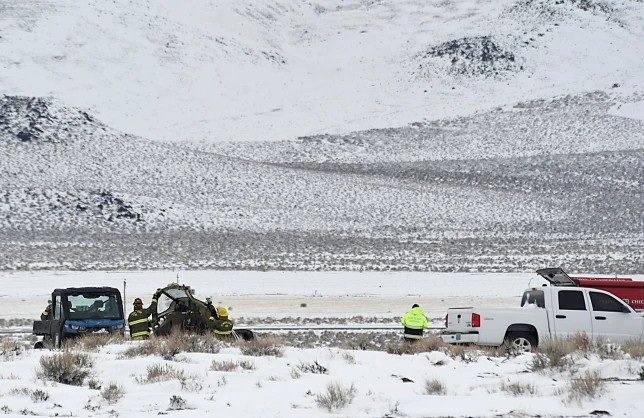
<point x="557" y="310"/>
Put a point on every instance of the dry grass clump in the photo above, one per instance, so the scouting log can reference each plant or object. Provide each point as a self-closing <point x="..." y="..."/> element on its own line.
<point x="169" y="347"/>
<point x="463" y="352"/>
<point x="607" y="350"/>
<point x="433" y="343"/>
<point x="10" y="348"/>
<point x="314" y="368"/>
<point x="336" y="396"/>
<point x="93" y="342"/>
<point x="195" y="343"/>
<point x="229" y="365"/>
<point x="423" y="345"/>
<point x="246" y="364"/>
<point x="35" y="395"/>
<point x="223" y="366"/>
<point x="456" y="351"/>
<point x="94" y="383"/>
<point x="589" y="385"/>
<point x="434" y="387"/>
<point x="67" y="367"/>
<point x="113" y="393"/>
<point x="519" y="389"/>
<point x="269" y="346"/>
<point x="584" y="345"/>
<point x="177" y="403"/>
<point x="558" y="353"/>
<point x="348" y="357"/>
<point x="295" y="373"/>
<point x="580" y="341"/>
<point x="360" y="342"/>
<point x="634" y="348"/>
<point x="503" y="350"/>
<point x="190" y="385"/>
<point x="163" y="372"/>
<point x="145" y="348"/>
<point x="554" y="353"/>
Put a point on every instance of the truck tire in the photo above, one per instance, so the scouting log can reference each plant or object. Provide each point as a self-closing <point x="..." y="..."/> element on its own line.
<point x="521" y="342"/>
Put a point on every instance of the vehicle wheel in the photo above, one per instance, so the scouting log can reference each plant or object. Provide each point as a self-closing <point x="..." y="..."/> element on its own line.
<point x="39" y="345"/>
<point x="521" y="342"/>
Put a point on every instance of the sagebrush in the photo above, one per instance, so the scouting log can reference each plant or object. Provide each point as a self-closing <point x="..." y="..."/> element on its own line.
<point x="435" y="387"/>
<point x="162" y="372"/>
<point x="269" y="346"/>
<point x="554" y="353"/>
<point x="230" y="365"/>
<point x="424" y="345"/>
<point x="177" y="403"/>
<point x="177" y="342"/>
<point x="113" y="393"/>
<point x="336" y="396"/>
<point x="519" y="388"/>
<point x="588" y="385"/>
<point x="67" y="367"/>
<point x="315" y="368"/>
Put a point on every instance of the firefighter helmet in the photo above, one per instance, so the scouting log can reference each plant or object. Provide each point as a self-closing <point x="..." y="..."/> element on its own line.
<point x="222" y="312"/>
<point x="138" y="301"/>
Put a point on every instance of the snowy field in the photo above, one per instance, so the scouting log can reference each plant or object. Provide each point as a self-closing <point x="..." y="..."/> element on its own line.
<point x="293" y="382"/>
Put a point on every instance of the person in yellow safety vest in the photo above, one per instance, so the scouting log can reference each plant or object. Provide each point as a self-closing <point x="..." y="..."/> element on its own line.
<point x="46" y="314"/>
<point x="415" y="323"/>
<point x="222" y="325"/>
<point x="138" y="319"/>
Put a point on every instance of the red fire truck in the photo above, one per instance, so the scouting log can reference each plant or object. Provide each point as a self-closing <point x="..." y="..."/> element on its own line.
<point x="629" y="290"/>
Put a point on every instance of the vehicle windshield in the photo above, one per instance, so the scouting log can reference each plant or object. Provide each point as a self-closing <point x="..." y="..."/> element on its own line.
<point x="534" y="298"/>
<point x="93" y="306"/>
<point x="164" y="304"/>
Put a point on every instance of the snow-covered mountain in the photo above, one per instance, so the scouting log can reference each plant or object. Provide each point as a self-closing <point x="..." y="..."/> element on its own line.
<point x="448" y="135"/>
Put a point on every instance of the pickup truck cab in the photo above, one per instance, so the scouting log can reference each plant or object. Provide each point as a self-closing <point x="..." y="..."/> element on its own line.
<point x="555" y="310"/>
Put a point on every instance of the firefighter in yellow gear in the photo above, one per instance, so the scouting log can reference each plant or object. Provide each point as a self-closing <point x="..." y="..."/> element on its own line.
<point x="222" y="326"/>
<point x="415" y="323"/>
<point x="138" y="319"/>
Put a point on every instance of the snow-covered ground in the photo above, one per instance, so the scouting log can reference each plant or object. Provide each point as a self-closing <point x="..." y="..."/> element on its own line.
<point x="475" y="384"/>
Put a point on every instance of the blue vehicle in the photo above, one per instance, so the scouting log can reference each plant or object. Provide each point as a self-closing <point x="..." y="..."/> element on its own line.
<point x="78" y="311"/>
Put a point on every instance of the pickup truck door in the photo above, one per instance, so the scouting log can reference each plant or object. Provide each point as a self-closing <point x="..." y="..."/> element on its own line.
<point x="570" y="313"/>
<point x="614" y="320"/>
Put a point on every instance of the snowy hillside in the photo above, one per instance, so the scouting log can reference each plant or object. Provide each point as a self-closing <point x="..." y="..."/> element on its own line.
<point x="261" y="69"/>
<point x="331" y="135"/>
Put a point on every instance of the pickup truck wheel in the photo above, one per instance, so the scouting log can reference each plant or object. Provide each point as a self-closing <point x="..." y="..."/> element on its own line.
<point x="521" y="342"/>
